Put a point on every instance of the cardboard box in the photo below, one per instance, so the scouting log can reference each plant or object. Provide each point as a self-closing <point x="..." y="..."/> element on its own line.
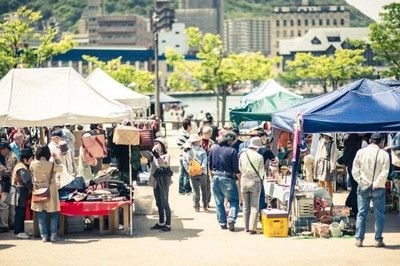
<point x="274" y="223"/>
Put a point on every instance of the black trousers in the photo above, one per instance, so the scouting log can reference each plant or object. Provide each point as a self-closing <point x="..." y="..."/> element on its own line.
<point x="19" y="220"/>
<point x="161" y="193"/>
<point x="351" y="200"/>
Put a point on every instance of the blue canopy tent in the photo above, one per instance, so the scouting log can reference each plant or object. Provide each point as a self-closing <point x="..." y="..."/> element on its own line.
<point x="361" y="106"/>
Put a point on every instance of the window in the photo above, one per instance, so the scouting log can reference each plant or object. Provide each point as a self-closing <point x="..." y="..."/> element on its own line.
<point x="177" y="32"/>
<point x="335" y="22"/>
<point x="313" y="22"/>
<point x="320" y="22"/>
<point x="315" y="41"/>
<point x="333" y="38"/>
<point x="284" y="33"/>
<point x="298" y="22"/>
<point x="284" y="23"/>
<point x="327" y="22"/>
<point x="342" y="22"/>
<point x="292" y="33"/>
<point x="291" y="22"/>
<point x="177" y="45"/>
<point x="299" y="33"/>
<point x="277" y="23"/>
<point x="306" y="22"/>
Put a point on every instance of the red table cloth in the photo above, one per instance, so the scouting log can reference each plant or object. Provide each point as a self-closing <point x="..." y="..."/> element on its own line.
<point x="88" y="208"/>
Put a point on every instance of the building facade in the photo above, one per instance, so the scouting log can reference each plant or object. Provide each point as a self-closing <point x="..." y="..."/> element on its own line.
<point x="207" y="15"/>
<point x="287" y="22"/>
<point x="324" y="41"/>
<point x="247" y="35"/>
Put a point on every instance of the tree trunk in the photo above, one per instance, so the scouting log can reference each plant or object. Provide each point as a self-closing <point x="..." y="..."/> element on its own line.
<point x="223" y="111"/>
<point x="218" y="98"/>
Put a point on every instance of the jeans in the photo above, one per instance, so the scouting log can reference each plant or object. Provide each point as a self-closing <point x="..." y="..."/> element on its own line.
<point x="199" y="183"/>
<point x="378" y="198"/>
<point x="42" y="219"/>
<point x="19" y="220"/>
<point x="250" y="191"/>
<point x="225" y="187"/>
<point x="184" y="182"/>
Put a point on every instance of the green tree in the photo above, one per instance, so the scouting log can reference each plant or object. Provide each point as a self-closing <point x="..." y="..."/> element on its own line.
<point x="385" y="38"/>
<point x="216" y="70"/>
<point x="24" y="46"/>
<point x="329" y="71"/>
<point x="139" y="80"/>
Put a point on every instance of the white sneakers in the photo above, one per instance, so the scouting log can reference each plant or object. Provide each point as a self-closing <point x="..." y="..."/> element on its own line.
<point x="23" y="235"/>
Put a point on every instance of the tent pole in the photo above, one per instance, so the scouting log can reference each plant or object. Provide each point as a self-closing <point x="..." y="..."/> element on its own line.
<point x="130" y="194"/>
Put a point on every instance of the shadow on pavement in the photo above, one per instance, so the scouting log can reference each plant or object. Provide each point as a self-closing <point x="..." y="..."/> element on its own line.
<point x="75" y="241"/>
<point x="6" y="246"/>
<point x="143" y="223"/>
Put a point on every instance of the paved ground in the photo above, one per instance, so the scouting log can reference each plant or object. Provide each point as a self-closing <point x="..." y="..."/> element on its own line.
<point x="196" y="239"/>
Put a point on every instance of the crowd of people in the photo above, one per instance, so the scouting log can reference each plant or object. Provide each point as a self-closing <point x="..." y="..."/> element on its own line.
<point x="230" y="169"/>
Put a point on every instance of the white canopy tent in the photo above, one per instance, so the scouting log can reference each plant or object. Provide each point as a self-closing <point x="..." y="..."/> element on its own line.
<point x="53" y="96"/>
<point x="112" y="89"/>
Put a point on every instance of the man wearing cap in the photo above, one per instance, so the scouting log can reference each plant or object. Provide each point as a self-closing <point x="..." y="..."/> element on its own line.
<point x="198" y="182"/>
<point x="370" y="170"/>
<point x="56" y="138"/>
<point x="7" y="213"/>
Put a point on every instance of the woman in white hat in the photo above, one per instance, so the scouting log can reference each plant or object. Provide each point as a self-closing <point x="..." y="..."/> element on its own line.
<point x="251" y="166"/>
<point x="325" y="162"/>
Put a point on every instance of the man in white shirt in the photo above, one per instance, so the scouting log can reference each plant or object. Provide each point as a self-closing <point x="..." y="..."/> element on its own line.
<point x="370" y="170"/>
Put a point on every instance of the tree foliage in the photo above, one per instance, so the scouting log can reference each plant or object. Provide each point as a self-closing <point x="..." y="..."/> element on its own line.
<point x="21" y="44"/>
<point x="385" y="38"/>
<point x="216" y="70"/>
<point x="329" y="71"/>
<point x="139" y="80"/>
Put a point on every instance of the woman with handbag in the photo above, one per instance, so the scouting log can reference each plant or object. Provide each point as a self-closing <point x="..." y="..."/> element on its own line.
<point x="251" y="166"/>
<point x="20" y="190"/>
<point x="43" y="172"/>
<point x="160" y="180"/>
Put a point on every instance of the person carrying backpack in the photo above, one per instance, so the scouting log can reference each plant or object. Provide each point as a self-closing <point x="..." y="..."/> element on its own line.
<point x="195" y="164"/>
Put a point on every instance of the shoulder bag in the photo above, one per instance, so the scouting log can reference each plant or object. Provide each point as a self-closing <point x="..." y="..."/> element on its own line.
<point x="363" y="189"/>
<point x="42" y="195"/>
<point x="252" y="166"/>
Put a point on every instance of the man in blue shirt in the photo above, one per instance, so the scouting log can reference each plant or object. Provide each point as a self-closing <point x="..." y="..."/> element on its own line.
<point x="224" y="166"/>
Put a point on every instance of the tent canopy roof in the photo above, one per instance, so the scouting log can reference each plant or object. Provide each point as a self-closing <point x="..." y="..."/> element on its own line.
<point x="361" y="106"/>
<point x="262" y="102"/>
<point x="110" y="88"/>
<point x="164" y="98"/>
<point x="53" y="96"/>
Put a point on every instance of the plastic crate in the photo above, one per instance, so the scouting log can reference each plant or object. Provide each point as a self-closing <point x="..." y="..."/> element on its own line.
<point x="274" y="223"/>
<point x="303" y="206"/>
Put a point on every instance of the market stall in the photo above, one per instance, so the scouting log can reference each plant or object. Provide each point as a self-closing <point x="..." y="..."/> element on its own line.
<point x="361" y="106"/>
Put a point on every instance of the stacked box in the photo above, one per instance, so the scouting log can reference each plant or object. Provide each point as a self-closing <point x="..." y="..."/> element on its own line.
<point x="303" y="206"/>
<point x="75" y="224"/>
<point x="301" y="224"/>
<point x="274" y="223"/>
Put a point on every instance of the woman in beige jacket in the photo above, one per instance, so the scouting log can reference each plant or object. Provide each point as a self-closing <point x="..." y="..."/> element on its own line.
<point x="43" y="177"/>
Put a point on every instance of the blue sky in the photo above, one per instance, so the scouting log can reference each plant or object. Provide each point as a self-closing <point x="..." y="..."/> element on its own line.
<point x="371" y="7"/>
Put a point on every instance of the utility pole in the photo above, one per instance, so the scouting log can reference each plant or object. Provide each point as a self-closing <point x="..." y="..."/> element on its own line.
<point x="161" y="17"/>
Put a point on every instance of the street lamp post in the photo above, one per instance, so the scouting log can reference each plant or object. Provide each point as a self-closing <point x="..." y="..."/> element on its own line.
<point x="161" y="18"/>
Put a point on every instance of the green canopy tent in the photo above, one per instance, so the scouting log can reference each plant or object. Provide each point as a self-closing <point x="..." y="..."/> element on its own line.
<point x="274" y="98"/>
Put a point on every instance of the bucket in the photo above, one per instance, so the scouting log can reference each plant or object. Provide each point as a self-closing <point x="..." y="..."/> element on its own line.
<point x="335" y="229"/>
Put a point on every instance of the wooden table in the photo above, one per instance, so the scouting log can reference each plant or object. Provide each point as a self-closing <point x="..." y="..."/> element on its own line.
<point x="91" y="208"/>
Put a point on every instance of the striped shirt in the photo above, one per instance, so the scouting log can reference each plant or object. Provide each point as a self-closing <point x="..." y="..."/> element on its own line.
<point x="183" y="136"/>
